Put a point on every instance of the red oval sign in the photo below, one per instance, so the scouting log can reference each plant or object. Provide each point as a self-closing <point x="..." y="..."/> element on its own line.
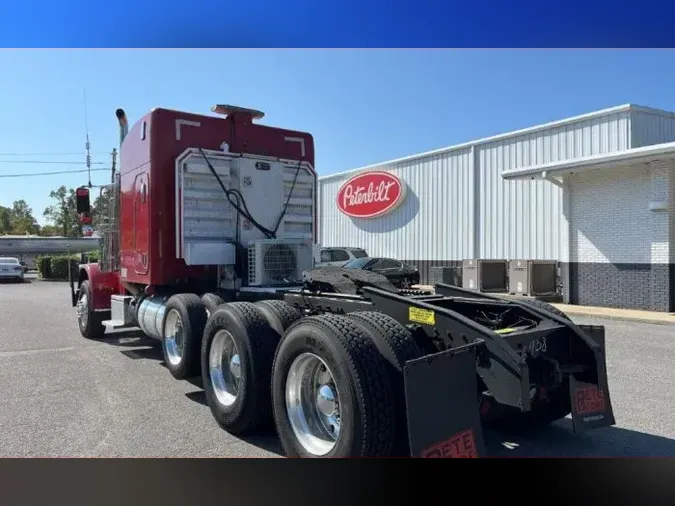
<point x="370" y="194"/>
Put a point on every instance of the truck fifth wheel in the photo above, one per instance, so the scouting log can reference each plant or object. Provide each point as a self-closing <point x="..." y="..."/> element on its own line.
<point x="209" y="247"/>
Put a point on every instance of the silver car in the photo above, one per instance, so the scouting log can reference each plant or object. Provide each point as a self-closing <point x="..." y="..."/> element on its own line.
<point x="11" y="268"/>
<point x="338" y="256"/>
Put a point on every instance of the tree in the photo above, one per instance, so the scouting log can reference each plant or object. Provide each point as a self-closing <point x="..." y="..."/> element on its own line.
<point x="18" y="219"/>
<point x="5" y="220"/>
<point x="101" y="208"/>
<point x="63" y="213"/>
<point x="49" y="231"/>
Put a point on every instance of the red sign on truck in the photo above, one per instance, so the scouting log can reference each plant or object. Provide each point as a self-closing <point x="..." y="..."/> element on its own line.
<point x="370" y="194"/>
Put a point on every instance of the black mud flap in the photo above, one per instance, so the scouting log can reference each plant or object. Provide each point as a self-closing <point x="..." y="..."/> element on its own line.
<point x="591" y="404"/>
<point x="442" y="404"/>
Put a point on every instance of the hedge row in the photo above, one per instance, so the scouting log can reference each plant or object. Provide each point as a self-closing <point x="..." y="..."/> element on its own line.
<point x="56" y="267"/>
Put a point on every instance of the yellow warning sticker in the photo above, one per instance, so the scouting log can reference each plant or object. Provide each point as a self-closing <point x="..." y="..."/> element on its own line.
<point x="506" y="330"/>
<point x="425" y="316"/>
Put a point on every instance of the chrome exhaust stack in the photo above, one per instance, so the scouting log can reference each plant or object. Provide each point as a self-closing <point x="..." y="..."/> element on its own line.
<point x="124" y="125"/>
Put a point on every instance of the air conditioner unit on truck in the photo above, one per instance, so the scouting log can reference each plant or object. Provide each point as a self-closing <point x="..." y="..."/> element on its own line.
<point x="208" y="248"/>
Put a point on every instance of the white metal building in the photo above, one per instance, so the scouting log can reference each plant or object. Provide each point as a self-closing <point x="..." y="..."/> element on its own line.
<point x="530" y="194"/>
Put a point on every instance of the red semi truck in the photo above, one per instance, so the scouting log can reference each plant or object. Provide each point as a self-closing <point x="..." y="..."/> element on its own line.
<point x="209" y="247"/>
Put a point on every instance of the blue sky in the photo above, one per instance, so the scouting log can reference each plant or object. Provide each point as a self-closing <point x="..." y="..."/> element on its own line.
<point x="362" y="106"/>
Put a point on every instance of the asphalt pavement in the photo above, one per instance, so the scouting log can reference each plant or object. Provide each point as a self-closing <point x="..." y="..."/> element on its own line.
<point x="62" y="395"/>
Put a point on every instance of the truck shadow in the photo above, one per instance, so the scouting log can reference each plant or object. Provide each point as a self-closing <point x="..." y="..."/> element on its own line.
<point x="559" y="440"/>
<point x="264" y="438"/>
<point x="144" y="347"/>
<point x="556" y="441"/>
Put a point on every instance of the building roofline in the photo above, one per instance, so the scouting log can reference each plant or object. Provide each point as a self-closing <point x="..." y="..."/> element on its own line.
<point x="514" y="133"/>
<point x="634" y="156"/>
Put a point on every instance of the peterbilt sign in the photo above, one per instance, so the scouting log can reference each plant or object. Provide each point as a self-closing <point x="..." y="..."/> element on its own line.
<point x="370" y="194"/>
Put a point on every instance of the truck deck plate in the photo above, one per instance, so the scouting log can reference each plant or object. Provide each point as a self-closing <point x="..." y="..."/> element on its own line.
<point x="116" y="324"/>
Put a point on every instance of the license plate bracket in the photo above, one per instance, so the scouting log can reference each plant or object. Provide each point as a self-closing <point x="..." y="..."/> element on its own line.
<point x="591" y="403"/>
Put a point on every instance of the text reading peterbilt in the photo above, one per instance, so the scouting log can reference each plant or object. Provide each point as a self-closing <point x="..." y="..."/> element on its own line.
<point x="209" y="247"/>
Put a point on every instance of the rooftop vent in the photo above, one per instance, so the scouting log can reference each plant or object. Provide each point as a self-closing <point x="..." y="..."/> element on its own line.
<point x="227" y="110"/>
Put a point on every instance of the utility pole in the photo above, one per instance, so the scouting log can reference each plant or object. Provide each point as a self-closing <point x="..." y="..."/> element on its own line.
<point x="114" y="161"/>
<point x="87" y="145"/>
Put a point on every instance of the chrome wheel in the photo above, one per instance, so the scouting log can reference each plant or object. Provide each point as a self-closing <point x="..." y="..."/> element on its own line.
<point x="224" y="368"/>
<point x="313" y="404"/>
<point x="174" y="341"/>
<point x="82" y="310"/>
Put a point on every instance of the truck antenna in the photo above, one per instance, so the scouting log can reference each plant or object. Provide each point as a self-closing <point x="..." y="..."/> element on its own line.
<point x="87" y="144"/>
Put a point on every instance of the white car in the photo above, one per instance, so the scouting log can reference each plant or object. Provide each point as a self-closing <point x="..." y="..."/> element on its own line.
<point x="338" y="256"/>
<point x="11" y="268"/>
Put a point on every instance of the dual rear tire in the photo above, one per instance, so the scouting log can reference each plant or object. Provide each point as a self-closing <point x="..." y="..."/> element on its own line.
<point x="236" y="358"/>
<point x="185" y="319"/>
<point x="332" y="385"/>
<point x="184" y="322"/>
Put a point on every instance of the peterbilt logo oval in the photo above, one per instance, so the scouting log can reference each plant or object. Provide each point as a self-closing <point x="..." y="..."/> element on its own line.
<point x="370" y="194"/>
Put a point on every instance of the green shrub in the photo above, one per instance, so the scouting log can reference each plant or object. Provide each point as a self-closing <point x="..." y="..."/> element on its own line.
<point x="59" y="266"/>
<point x="56" y="267"/>
<point x="44" y="265"/>
<point x="92" y="256"/>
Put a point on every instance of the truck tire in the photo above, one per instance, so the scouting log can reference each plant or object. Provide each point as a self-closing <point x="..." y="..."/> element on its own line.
<point x="184" y="322"/>
<point x="279" y="314"/>
<point x="88" y="320"/>
<point x="211" y="302"/>
<point x="397" y="346"/>
<point x="237" y="354"/>
<point x="331" y="393"/>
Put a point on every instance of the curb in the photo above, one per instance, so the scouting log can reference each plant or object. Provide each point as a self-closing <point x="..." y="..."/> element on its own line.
<point x="635" y="319"/>
<point x="572" y="311"/>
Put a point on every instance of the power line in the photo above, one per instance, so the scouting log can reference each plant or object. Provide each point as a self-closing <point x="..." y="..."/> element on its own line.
<point x="51" y="173"/>
<point x="74" y="153"/>
<point x="52" y="162"/>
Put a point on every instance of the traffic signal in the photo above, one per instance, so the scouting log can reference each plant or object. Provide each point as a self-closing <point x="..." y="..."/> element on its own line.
<point x="82" y="200"/>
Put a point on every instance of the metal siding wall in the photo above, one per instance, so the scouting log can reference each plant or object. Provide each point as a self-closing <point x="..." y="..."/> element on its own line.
<point x="517" y="219"/>
<point x="651" y="128"/>
<point x="433" y="223"/>
<point x="524" y="219"/>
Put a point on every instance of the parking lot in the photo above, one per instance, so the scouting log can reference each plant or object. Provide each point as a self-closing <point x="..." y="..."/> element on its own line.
<point x="62" y="395"/>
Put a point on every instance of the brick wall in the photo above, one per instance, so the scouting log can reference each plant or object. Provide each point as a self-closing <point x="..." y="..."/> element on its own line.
<point x="620" y="253"/>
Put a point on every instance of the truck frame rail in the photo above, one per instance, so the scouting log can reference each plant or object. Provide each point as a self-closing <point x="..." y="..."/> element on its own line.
<point x="480" y="350"/>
